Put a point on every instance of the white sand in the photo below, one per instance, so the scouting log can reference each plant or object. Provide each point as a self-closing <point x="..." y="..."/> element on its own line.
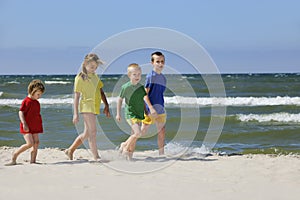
<point x="214" y="177"/>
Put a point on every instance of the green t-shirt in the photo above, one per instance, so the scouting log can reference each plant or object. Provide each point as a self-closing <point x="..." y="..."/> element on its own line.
<point x="134" y="100"/>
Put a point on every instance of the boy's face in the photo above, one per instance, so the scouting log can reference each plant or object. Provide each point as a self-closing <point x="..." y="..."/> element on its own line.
<point x="158" y="63"/>
<point x="135" y="76"/>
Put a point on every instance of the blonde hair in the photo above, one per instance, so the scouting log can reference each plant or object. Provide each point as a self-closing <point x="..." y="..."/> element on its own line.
<point x="87" y="59"/>
<point x="36" y="85"/>
<point x="133" y="66"/>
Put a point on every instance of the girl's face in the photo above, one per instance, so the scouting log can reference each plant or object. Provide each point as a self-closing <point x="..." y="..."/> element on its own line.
<point x="135" y="76"/>
<point x="91" y="67"/>
<point x="36" y="95"/>
<point x="158" y="63"/>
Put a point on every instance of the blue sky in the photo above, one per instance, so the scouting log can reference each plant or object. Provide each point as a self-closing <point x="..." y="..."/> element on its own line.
<point x="52" y="37"/>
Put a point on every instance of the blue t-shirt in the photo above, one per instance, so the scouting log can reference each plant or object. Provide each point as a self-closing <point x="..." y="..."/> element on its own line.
<point x="157" y="84"/>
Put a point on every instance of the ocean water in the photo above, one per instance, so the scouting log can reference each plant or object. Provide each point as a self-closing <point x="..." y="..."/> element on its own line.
<point x="262" y="113"/>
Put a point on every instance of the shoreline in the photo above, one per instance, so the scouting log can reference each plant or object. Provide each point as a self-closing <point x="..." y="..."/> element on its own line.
<point x="249" y="176"/>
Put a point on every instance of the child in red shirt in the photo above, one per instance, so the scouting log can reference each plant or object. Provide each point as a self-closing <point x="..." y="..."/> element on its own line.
<point x="31" y="121"/>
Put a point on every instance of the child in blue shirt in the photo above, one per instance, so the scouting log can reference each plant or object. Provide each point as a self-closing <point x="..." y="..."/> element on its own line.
<point x="155" y="87"/>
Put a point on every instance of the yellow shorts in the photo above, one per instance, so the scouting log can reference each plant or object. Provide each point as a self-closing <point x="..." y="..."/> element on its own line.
<point x="161" y="118"/>
<point x="134" y="121"/>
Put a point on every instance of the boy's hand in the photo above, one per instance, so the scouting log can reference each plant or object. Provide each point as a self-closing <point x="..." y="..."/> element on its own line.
<point x="106" y="112"/>
<point x="153" y="113"/>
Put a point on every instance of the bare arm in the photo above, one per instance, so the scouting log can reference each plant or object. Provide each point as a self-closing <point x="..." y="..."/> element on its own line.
<point x="119" y="105"/>
<point x="22" y="119"/>
<point x="106" y="106"/>
<point x="75" y="106"/>
<point x="148" y="102"/>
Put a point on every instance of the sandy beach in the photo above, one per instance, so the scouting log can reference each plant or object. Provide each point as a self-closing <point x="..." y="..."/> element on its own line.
<point x="149" y="176"/>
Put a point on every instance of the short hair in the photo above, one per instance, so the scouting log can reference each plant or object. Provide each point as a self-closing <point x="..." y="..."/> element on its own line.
<point x="157" y="53"/>
<point x="133" y="66"/>
<point x="36" y="85"/>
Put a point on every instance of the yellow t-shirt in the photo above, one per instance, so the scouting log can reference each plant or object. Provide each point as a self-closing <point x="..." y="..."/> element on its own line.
<point x="90" y="97"/>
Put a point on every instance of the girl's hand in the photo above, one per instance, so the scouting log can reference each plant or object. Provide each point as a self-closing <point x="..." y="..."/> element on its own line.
<point x="75" y="119"/>
<point x="106" y="111"/>
<point x="25" y="127"/>
<point x="118" y="118"/>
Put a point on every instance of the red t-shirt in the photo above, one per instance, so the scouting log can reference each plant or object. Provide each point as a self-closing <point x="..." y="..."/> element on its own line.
<point x="31" y="109"/>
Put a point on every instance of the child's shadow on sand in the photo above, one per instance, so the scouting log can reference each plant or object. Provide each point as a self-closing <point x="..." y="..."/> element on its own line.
<point x="80" y="161"/>
<point x="166" y="159"/>
<point x="71" y="162"/>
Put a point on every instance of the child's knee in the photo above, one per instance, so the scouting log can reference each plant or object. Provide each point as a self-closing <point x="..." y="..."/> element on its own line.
<point x="93" y="134"/>
<point x="137" y="135"/>
<point x="29" y="145"/>
<point x="84" y="136"/>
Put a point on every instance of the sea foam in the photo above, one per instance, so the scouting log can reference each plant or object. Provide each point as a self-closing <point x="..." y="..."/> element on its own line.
<point x="233" y="101"/>
<point x="57" y="82"/>
<point x="180" y="101"/>
<point x="274" y="117"/>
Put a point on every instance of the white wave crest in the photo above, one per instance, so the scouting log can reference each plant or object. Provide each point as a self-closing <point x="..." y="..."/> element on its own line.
<point x="10" y="102"/>
<point x="233" y="101"/>
<point x="57" y="82"/>
<point x="180" y="101"/>
<point x="1" y="93"/>
<point x="174" y="148"/>
<point x="274" y="117"/>
<point x="13" y="82"/>
<point x="42" y="101"/>
<point x="56" y="101"/>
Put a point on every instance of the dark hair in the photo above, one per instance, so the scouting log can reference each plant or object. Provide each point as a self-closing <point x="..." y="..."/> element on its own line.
<point x="157" y="53"/>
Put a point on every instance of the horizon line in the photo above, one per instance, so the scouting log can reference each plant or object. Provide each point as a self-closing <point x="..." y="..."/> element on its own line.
<point x="226" y="73"/>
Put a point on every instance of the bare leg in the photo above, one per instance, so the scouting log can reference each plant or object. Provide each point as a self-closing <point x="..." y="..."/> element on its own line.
<point x="145" y="128"/>
<point x="90" y="121"/>
<point x="143" y="131"/>
<point x="35" y="148"/>
<point x="124" y="145"/>
<point x="29" y="143"/>
<point x="161" y="137"/>
<point x="131" y="141"/>
<point x="77" y="142"/>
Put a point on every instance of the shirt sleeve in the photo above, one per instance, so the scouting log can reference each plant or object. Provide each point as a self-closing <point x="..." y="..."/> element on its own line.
<point x="24" y="106"/>
<point x="148" y="81"/>
<point x="122" y="93"/>
<point x="77" y="84"/>
<point x="100" y="84"/>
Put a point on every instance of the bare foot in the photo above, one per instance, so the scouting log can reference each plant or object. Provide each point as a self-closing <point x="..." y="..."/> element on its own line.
<point x="127" y="155"/>
<point x="121" y="149"/>
<point x="12" y="163"/>
<point x="37" y="163"/>
<point x="101" y="160"/>
<point x="69" y="154"/>
<point x="130" y="155"/>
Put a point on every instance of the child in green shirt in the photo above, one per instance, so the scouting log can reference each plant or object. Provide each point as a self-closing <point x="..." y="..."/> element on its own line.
<point x="133" y="92"/>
